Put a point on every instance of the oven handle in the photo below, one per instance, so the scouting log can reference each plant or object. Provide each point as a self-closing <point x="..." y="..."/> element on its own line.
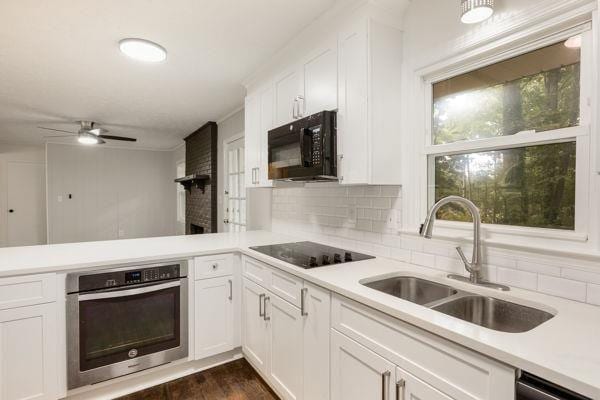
<point x="128" y="292"/>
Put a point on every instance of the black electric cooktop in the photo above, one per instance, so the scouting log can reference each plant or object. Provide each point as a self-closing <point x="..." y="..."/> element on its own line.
<point x="310" y="255"/>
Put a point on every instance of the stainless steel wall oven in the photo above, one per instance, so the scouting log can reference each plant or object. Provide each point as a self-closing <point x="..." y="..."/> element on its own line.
<point x="126" y="319"/>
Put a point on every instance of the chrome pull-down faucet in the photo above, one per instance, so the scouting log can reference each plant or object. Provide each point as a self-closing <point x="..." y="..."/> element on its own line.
<point x="473" y="267"/>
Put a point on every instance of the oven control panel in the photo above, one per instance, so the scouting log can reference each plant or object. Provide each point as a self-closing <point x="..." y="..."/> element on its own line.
<point x="133" y="276"/>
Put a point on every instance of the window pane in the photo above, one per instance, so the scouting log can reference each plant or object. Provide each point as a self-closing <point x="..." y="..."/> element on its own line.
<point x="530" y="186"/>
<point x="535" y="91"/>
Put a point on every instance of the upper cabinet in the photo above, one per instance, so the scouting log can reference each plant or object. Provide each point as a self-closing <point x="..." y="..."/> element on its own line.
<point x="355" y="68"/>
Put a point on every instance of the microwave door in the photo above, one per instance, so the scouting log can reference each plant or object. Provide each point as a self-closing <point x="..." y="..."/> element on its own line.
<point x="285" y="154"/>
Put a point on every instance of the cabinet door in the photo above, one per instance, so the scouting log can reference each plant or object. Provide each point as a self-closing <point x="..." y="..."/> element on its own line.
<point x="320" y="72"/>
<point x="408" y="387"/>
<point x="28" y="358"/>
<point x="252" y="139"/>
<point x="255" y="339"/>
<point x="317" y="302"/>
<point x="352" y="117"/>
<point x="357" y="373"/>
<point x="214" y="316"/>
<point x="267" y="106"/>
<point x="288" y="87"/>
<point x="287" y="349"/>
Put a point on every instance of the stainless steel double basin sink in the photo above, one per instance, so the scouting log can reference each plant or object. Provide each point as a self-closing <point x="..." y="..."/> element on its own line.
<point x="489" y="312"/>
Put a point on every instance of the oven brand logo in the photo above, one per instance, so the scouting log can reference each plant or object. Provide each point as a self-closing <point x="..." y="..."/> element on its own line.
<point x="132" y="353"/>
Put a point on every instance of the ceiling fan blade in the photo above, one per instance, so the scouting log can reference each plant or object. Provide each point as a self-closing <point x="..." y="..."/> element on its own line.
<point x="60" y="136"/>
<point x="57" y="130"/>
<point x="110" y="137"/>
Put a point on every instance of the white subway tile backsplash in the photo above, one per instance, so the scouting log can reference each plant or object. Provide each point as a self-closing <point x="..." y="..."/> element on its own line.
<point x="593" y="294"/>
<point x="562" y="287"/>
<point x="367" y="218"/>
<point x="513" y="277"/>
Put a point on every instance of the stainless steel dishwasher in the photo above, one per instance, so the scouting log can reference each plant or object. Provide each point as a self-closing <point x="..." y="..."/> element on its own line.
<point x="531" y="387"/>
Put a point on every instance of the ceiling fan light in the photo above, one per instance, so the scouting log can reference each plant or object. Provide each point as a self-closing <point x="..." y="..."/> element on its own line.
<point x="143" y="50"/>
<point x="474" y="11"/>
<point x="87" y="139"/>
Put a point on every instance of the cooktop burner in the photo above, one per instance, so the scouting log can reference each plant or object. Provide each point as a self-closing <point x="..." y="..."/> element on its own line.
<point x="310" y="255"/>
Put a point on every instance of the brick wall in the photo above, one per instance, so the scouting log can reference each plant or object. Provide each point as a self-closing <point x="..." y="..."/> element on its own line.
<point x="367" y="218"/>
<point x="201" y="158"/>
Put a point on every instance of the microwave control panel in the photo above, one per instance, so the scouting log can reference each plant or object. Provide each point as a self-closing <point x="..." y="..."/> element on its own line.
<point x="316" y="146"/>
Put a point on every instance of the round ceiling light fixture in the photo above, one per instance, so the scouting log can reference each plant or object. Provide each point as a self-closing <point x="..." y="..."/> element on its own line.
<point x="143" y="50"/>
<point x="87" y="139"/>
<point x="474" y="11"/>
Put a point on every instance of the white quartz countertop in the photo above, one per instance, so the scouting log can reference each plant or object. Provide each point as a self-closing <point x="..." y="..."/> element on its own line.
<point x="564" y="350"/>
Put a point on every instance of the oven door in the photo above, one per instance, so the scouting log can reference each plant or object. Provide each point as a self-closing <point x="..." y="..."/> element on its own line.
<point x="120" y="331"/>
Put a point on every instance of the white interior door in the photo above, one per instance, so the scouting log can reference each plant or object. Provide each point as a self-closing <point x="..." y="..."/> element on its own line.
<point x="235" y="187"/>
<point x="26" y="201"/>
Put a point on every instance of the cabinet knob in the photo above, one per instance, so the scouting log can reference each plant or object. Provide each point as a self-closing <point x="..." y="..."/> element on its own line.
<point x="215" y="266"/>
<point x="11" y="210"/>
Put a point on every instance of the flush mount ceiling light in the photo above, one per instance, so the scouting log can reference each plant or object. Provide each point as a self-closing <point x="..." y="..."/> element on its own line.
<point x="474" y="11"/>
<point x="143" y="50"/>
<point x="573" y="42"/>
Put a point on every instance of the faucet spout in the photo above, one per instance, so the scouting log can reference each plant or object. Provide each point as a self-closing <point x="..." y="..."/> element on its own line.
<point x="475" y="265"/>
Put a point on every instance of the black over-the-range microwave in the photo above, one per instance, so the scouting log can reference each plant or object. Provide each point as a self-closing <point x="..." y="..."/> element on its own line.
<point x="304" y="150"/>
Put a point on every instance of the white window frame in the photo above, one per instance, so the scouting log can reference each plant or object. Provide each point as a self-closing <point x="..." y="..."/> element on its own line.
<point x="506" y="234"/>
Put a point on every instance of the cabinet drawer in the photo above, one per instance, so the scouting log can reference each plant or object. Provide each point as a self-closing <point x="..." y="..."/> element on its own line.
<point x="27" y="290"/>
<point x="450" y="368"/>
<point x="213" y="266"/>
<point x="286" y="286"/>
<point x="257" y="272"/>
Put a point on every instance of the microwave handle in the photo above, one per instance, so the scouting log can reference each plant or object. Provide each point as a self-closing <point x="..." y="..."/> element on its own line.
<point x="306" y="147"/>
<point x="128" y="292"/>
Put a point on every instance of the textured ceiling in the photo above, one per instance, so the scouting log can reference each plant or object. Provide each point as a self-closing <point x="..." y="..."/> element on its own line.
<point x="59" y="62"/>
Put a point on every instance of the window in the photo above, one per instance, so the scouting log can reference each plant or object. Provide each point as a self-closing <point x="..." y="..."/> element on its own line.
<point x="508" y="136"/>
<point x="180" y="193"/>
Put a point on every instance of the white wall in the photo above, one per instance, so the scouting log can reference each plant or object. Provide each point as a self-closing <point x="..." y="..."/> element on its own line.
<point x="20" y="154"/>
<point x="116" y="193"/>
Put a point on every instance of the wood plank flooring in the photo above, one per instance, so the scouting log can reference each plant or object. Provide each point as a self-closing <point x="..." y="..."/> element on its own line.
<point x="236" y="380"/>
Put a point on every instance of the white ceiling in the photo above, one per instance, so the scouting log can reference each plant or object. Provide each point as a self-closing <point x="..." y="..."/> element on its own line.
<point x="60" y="62"/>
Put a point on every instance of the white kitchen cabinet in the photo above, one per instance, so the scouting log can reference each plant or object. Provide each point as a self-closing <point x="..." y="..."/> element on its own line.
<point x="214" y="331"/>
<point x="288" y="96"/>
<point x="409" y="387"/>
<point x="255" y="334"/>
<point x="28" y="353"/>
<point x="320" y="80"/>
<point x="286" y="347"/>
<point x="252" y="145"/>
<point x="317" y="321"/>
<point x="258" y="121"/>
<point x="357" y="373"/>
<point x="369" y="86"/>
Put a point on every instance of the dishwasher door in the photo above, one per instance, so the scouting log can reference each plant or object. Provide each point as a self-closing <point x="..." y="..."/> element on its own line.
<point x="530" y="387"/>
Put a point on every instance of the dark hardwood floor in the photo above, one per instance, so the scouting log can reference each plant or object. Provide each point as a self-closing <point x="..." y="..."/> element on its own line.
<point x="236" y="380"/>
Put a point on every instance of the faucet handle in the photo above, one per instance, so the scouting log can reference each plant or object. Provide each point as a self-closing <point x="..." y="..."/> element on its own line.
<point x="463" y="258"/>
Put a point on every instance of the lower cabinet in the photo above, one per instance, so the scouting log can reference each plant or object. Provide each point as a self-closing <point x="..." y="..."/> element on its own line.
<point x="357" y="373"/>
<point x="28" y="353"/>
<point x="213" y="307"/>
<point x="289" y="345"/>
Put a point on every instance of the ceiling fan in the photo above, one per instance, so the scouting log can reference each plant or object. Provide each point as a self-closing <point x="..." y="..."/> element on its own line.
<point x="88" y="134"/>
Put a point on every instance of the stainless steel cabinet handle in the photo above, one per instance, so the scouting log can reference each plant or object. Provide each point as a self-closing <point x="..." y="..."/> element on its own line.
<point x="385" y="384"/>
<point x="230" y="289"/>
<point x="400" y="385"/>
<point x="303" y="311"/>
<point x="294" y="109"/>
<point x="301" y="111"/>
<point x="129" y="292"/>
<point x="261" y="312"/>
<point x="265" y="317"/>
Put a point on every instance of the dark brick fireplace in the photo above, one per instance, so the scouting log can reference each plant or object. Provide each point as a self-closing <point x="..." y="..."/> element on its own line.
<point x="201" y="158"/>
